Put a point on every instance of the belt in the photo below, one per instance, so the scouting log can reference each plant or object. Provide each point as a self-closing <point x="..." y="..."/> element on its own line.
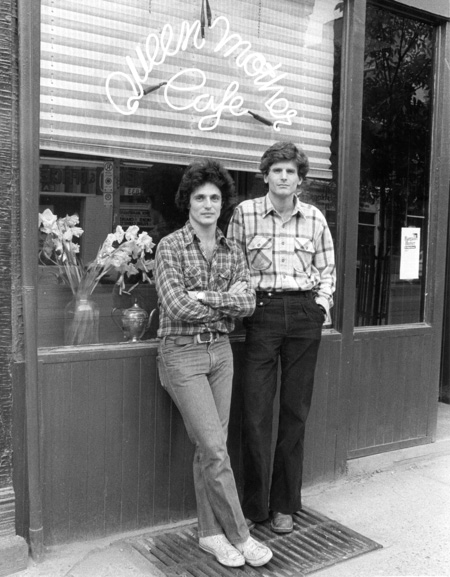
<point x="199" y="338"/>
<point x="281" y="294"/>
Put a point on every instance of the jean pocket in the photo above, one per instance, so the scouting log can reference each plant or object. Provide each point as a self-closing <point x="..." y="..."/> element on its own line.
<point x="161" y="371"/>
<point x="314" y="312"/>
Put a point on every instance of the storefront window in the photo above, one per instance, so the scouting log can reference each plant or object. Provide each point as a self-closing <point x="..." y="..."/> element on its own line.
<point x="394" y="193"/>
<point x="113" y="154"/>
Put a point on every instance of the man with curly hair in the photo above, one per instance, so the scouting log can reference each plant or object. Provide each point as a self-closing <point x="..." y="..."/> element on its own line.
<point x="203" y="284"/>
<point x="289" y="250"/>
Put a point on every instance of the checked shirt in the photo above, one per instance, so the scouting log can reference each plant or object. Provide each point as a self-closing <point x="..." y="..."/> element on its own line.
<point x="294" y="255"/>
<point x="182" y="266"/>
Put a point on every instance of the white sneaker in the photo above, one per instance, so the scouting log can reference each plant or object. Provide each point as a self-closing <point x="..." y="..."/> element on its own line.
<point x="254" y="552"/>
<point x="222" y="550"/>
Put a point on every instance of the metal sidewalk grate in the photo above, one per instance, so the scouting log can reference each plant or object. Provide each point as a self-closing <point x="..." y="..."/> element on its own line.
<point x="316" y="543"/>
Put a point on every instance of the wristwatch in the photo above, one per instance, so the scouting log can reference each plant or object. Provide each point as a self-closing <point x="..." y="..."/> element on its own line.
<point x="200" y="296"/>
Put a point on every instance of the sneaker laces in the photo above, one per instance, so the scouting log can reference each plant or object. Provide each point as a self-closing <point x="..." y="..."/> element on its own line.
<point x="252" y="548"/>
<point x="221" y="545"/>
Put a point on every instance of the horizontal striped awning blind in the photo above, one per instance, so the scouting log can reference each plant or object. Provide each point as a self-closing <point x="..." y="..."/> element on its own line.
<point x="85" y="41"/>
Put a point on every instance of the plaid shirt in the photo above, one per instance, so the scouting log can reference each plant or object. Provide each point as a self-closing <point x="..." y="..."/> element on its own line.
<point x="282" y="256"/>
<point x="181" y="266"/>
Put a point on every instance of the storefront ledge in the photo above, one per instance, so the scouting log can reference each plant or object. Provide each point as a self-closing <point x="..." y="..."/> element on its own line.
<point x="126" y="349"/>
<point x="101" y="351"/>
<point x="13" y="555"/>
<point x="61" y="354"/>
<point x="393" y="330"/>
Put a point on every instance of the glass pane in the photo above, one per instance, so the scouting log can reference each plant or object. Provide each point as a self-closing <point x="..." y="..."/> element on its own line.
<point x="143" y="193"/>
<point x="144" y="197"/>
<point x="393" y="209"/>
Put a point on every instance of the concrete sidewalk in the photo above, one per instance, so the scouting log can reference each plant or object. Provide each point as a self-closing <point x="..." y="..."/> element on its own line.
<point x="399" y="499"/>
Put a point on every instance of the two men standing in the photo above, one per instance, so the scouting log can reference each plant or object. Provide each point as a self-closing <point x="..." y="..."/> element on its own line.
<point x="290" y="254"/>
<point x="282" y="249"/>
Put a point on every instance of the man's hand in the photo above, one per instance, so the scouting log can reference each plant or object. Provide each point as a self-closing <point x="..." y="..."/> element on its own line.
<point x="324" y="312"/>
<point x="192" y="294"/>
<point x="239" y="287"/>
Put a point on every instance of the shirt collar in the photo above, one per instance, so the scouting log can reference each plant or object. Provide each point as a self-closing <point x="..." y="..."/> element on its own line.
<point x="268" y="206"/>
<point x="190" y="235"/>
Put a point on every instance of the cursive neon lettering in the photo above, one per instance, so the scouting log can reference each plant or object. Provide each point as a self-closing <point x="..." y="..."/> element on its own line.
<point x="254" y="64"/>
<point x="172" y="87"/>
<point x="290" y="115"/>
<point x="151" y="56"/>
<point x="134" y="73"/>
<point x="131" y="106"/>
<point x="265" y="76"/>
<point x="204" y="102"/>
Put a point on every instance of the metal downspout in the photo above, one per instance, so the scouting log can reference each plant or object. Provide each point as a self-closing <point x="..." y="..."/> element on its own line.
<point x="29" y="16"/>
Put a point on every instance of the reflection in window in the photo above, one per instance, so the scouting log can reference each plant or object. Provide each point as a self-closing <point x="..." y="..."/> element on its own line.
<point x="394" y="170"/>
<point x="144" y="188"/>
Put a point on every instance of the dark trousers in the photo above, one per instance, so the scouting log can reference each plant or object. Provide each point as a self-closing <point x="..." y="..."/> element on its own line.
<point x="287" y="328"/>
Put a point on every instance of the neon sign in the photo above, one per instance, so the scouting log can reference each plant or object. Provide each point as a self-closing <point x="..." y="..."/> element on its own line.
<point x="157" y="49"/>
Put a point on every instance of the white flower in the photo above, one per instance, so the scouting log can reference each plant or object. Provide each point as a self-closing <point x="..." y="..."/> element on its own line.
<point x="122" y="251"/>
<point x="145" y="242"/>
<point x="132" y="232"/>
<point x="47" y="218"/>
<point x="119" y="234"/>
<point x="72" y="221"/>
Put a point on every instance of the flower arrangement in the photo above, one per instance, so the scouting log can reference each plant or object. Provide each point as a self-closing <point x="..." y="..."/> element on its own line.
<point x="126" y="252"/>
<point x="123" y="251"/>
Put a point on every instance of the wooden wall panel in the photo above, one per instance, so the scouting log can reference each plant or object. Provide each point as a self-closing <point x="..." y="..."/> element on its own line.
<point x="113" y="445"/>
<point x="324" y="419"/>
<point x="115" y="454"/>
<point x="389" y="391"/>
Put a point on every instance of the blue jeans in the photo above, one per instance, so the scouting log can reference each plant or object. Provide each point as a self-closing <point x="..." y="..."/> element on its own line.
<point x="199" y="377"/>
<point x="286" y="328"/>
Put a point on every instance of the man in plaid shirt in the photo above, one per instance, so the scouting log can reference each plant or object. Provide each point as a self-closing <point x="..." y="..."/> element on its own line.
<point x="289" y="250"/>
<point x="203" y="283"/>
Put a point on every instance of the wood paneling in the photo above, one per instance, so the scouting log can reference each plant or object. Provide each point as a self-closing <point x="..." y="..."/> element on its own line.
<point x="324" y="421"/>
<point x="115" y="454"/>
<point x="390" y="391"/>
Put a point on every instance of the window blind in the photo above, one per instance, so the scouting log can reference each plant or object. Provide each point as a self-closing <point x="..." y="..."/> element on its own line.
<point x="85" y="43"/>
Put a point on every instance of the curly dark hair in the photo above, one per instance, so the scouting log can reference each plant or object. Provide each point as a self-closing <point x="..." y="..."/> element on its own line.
<point x="201" y="172"/>
<point x="284" y="151"/>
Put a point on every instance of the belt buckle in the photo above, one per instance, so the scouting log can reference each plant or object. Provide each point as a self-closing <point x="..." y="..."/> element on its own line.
<point x="200" y="340"/>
